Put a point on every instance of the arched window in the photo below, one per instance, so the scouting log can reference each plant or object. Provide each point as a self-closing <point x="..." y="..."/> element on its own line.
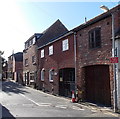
<point x="42" y="74"/>
<point x="51" y="72"/>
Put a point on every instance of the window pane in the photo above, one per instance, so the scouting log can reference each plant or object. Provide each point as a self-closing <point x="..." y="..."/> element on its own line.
<point x="42" y="53"/>
<point x="33" y="59"/>
<point x="42" y="75"/>
<point x="26" y="62"/>
<point x="51" y="50"/>
<point x="65" y="45"/>
<point x="98" y="38"/>
<point x="95" y="38"/>
<point x="50" y="76"/>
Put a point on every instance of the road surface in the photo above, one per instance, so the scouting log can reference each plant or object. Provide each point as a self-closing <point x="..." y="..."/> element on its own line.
<point x="21" y="101"/>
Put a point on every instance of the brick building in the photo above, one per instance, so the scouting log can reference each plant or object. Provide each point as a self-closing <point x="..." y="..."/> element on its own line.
<point x="18" y="67"/>
<point x="56" y="66"/>
<point x="4" y="69"/>
<point x="49" y="54"/>
<point x="30" y="60"/>
<point x="77" y="59"/>
<point x="15" y="67"/>
<point x="10" y="67"/>
<point x="94" y="49"/>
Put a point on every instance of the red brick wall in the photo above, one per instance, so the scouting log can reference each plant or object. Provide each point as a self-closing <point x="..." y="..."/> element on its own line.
<point x="18" y="66"/>
<point x="96" y="56"/>
<point x="27" y="54"/>
<point x="60" y="59"/>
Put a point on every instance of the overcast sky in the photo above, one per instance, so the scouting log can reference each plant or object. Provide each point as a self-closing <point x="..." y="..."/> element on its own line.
<point x="21" y="19"/>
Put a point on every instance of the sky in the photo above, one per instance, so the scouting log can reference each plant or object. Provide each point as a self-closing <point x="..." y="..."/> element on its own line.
<point x="20" y="19"/>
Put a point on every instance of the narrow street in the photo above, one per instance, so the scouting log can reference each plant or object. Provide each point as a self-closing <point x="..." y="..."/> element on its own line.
<point x="20" y="101"/>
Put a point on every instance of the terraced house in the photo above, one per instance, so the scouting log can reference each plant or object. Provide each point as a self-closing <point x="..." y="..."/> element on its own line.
<point x="56" y="65"/>
<point x="94" y="71"/>
<point x="30" y="53"/>
<point x="45" y="66"/>
<point x="15" y="67"/>
<point x="30" y="60"/>
<point x="78" y="59"/>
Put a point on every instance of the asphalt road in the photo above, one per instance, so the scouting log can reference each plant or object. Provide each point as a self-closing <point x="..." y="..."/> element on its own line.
<point x="21" y="101"/>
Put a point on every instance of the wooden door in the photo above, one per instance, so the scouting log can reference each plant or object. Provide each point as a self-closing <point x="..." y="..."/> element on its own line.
<point x="98" y="84"/>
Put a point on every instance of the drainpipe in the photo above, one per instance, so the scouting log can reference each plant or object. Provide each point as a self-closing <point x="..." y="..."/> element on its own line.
<point x="114" y="65"/>
<point x="75" y="59"/>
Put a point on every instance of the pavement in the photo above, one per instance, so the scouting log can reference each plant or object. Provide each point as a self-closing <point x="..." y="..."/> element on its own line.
<point x="25" y="101"/>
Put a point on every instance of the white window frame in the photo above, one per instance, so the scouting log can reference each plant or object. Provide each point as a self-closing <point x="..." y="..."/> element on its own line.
<point x="51" y="50"/>
<point x="33" y="42"/>
<point x="42" y="74"/>
<point x="65" y="45"/>
<point x="42" y="53"/>
<point x="33" y="59"/>
<point x="51" y="75"/>
<point x="26" y="62"/>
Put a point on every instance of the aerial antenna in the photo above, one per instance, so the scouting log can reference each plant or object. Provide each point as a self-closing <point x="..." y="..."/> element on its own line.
<point x="85" y="19"/>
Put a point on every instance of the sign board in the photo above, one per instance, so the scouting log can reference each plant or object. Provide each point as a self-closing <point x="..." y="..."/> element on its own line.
<point x="114" y="60"/>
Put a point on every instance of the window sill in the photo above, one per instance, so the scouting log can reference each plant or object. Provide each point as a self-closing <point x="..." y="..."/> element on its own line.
<point x="26" y="65"/>
<point x="51" y="81"/>
<point x="65" y="50"/>
<point x="34" y="63"/>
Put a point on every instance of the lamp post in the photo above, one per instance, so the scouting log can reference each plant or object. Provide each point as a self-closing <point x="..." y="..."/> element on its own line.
<point x="113" y="55"/>
<point x="1" y="53"/>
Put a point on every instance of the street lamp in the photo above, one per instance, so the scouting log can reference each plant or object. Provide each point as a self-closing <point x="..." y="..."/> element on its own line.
<point x="1" y="53"/>
<point x="103" y="7"/>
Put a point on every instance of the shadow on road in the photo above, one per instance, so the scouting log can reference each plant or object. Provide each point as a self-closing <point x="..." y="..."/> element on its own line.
<point x="6" y="113"/>
<point x="11" y="87"/>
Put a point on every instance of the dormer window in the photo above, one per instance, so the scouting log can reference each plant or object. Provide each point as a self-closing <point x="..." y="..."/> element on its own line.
<point x="33" y="40"/>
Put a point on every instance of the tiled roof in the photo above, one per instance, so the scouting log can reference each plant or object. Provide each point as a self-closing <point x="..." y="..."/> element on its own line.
<point x="37" y="35"/>
<point x="18" y="56"/>
<point x="53" y="32"/>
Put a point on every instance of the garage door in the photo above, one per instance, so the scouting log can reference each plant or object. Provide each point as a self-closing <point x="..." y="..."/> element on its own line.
<point x="97" y="84"/>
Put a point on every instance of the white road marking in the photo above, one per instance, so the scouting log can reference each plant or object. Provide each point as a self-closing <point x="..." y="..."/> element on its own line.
<point x="41" y="104"/>
<point x="61" y="106"/>
<point x="45" y="104"/>
<point x="77" y="108"/>
<point x="30" y="100"/>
